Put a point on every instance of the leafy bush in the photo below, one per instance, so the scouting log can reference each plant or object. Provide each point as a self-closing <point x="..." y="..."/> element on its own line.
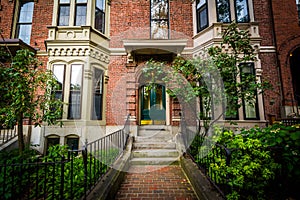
<point x="264" y="162"/>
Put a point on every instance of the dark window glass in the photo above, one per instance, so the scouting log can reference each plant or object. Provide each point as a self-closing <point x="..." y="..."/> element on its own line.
<point x="51" y="141"/>
<point x="248" y="74"/>
<point x="242" y="11"/>
<point x="73" y="143"/>
<point x="223" y="11"/>
<point x="159" y="19"/>
<point x="80" y="12"/>
<point x="64" y="13"/>
<point x="100" y="15"/>
<point x="97" y="94"/>
<point x="25" y="21"/>
<point x="74" y="111"/>
<point x="201" y="14"/>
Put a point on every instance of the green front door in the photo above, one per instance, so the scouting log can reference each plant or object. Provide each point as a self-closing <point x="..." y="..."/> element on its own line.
<point x="153" y="105"/>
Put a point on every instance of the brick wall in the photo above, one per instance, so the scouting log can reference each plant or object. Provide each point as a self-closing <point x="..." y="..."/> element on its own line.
<point x="287" y="31"/>
<point x="131" y="20"/>
<point x="42" y="17"/>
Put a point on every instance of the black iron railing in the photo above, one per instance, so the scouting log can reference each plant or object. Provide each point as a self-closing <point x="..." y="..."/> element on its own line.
<point x="70" y="176"/>
<point x="102" y="153"/>
<point x="6" y="134"/>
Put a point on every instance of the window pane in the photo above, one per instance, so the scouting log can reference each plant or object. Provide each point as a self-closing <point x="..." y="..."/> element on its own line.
<point x="100" y="4"/>
<point x="81" y="1"/>
<point x="97" y="94"/>
<point x="159" y="19"/>
<point x="202" y="20"/>
<point x="73" y="143"/>
<point x="159" y="29"/>
<point x="298" y="8"/>
<point x="248" y="73"/>
<point x="75" y="92"/>
<point x="64" y="1"/>
<point x="80" y="15"/>
<point x="223" y="11"/>
<point x="59" y="72"/>
<point x="64" y="14"/>
<point x="100" y="20"/>
<point x="24" y="32"/>
<point x="241" y="9"/>
<point x="26" y="12"/>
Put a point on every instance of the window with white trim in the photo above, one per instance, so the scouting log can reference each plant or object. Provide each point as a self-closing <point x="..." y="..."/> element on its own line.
<point x="24" y="23"/>
<point x="223" y="11"/>
<point x="97" y="94"/>
<point x="74" y="110"/>
<point x="201" y="15"/>
<point x="242" y="11"/>
<point x="80" y="12"/>
<point x="250" y="109"/>
<point x="100" y="15"/>
<point x="64" y="13"/>
<point x="69" y="91"/>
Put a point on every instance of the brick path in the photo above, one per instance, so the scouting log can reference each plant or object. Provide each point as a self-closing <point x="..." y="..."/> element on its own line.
<point x="156" y="182"/>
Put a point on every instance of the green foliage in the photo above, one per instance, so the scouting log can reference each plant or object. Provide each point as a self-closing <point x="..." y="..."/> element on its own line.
<point x="26" y="92"/>
<point x="264" y="162"/>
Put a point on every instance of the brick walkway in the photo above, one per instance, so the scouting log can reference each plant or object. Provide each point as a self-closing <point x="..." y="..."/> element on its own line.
<point x="155" y="182"/>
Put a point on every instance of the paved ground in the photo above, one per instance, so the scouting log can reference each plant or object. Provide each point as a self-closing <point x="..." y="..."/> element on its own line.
<point x="156" y="182"/>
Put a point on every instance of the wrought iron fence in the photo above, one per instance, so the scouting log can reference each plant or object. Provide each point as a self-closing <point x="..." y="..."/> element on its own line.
<point x="70" y="176"/>
<point x="102" y="153"/>
<point x="204" y="152"/>
<point x="6" y="134"/>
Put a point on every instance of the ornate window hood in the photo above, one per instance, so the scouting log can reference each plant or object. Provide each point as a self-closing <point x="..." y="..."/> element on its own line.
<point x="155" y="46"/>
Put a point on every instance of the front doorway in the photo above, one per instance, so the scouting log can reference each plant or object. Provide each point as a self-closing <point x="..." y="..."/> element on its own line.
<point x="153" y="105"/>
<point x="295" y="71"/>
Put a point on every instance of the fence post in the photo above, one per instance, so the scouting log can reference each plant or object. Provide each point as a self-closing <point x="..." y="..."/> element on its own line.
<point x="62" y="174"/>
<point x="84" y="157"/>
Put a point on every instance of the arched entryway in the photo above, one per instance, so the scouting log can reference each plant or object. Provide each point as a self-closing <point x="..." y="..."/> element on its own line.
<point x="153" y="104"/>
<point x="295" y="71"/>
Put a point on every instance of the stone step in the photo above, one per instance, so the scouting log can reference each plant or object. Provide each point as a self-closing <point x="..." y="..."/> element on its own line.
<point x="155" y="153"/>
<point x="166" y="138"/>
<point x="149" y="133"/>
<point x="154" y="145"/>
<point x="154" y="161"/>
<point x="153" y="127"/>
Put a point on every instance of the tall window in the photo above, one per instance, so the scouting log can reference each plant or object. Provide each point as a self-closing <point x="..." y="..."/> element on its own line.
<point x="97" y="94"/>
<point x="202" y="14"/>
<point x="100" y="15"/>
<point x="242" y="11"/>
<point x="223" y="11"/>
<point x="80" y="12"/>
<point x="298" y="8"/>
<point x="59" y="73"/>
<point x="248" y="74"/>
<point x="64" y="13"/>
<point x="159" y="19"/>
<point x="24" y="23"/>
<point x="74" y="111"/>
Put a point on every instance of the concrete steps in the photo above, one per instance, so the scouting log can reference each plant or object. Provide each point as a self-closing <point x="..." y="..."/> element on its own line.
<point x="154" y="145"/>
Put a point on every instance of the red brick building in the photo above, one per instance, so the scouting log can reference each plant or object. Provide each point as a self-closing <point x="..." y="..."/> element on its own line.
<point x="101" y="47"/>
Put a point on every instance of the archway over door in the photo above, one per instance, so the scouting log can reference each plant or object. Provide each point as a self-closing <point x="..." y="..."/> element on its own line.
<point x="153" y="104"/>
<point x="295" y="71"/>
